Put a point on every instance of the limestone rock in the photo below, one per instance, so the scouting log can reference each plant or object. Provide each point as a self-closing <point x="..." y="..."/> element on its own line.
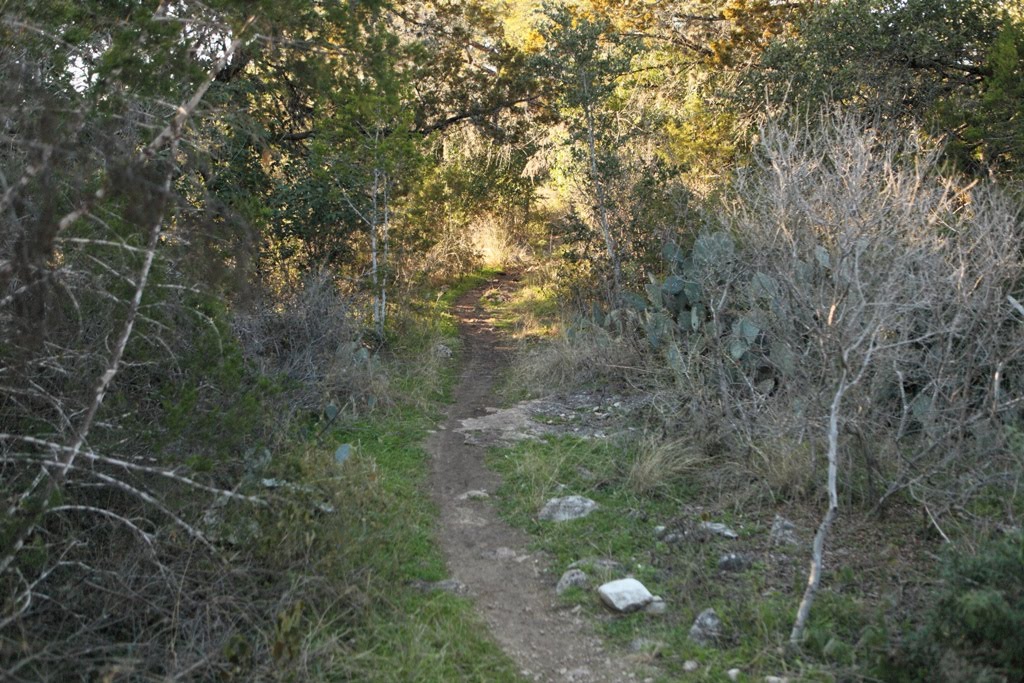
<point x="719" y="529"/>
<point x="690" y="665"/>
<point x="599" y="565"/>
<point x="625" y="595"/>
<point x="707" y="628"/>
<point x="475" y="494"/>
<point x="784" y="532"/>
<point x="573" y="578"/>
<point x="733" y="674"/>
<point x="656" y="606"/>
<point x="566" y="509"/>
<point x="733" y="562"/>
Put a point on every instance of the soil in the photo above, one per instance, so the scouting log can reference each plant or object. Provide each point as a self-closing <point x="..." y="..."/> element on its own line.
<point x="511" y="585"/>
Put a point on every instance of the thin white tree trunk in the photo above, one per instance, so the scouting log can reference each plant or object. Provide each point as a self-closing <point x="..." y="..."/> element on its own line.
<point x="599" y="192"/>
<point x="818" y="549"/>
<point x="378" y="318"/>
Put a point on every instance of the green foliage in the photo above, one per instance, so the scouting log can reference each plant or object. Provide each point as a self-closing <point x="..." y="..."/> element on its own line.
<point x="992" y="129"/>
<point x="975" y="628"/>
<point x="954" y="66"/>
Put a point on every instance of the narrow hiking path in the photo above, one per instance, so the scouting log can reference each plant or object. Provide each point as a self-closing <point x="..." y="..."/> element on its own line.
<point x="512" y="590"/>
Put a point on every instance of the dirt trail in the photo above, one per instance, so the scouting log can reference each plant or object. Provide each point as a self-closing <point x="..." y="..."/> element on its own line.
<point x="509" y="585"/>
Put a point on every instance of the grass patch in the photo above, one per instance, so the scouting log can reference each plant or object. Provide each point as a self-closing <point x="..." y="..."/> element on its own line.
<point x="756" y="605"/>
<point x="358" y="540"/>
<point x="381" y="542"/>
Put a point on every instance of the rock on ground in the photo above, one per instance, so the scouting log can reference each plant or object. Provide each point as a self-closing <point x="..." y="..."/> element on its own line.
<point x="719" y="529"/>
<point x="574" y="578"/>
<point x="733" y="562"/>
<point x="707" y="628"/>
<point x="784" y="532"/>
<point x="566" y="509"/>
<point x="600" y="565"/>
<point x="656" y="606"/>
<point x="475" y="494"/>
<point x="625" y="595"/>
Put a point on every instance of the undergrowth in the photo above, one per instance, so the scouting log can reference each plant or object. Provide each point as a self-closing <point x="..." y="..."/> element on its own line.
<point x="885" y="611"/>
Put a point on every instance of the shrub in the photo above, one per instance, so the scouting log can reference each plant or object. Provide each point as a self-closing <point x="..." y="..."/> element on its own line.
<point x="975" y="631"/>
<point x="846" y="265"/>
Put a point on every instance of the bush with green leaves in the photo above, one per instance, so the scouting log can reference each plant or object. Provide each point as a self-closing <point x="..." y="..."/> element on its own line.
<point x="975" y="630"/>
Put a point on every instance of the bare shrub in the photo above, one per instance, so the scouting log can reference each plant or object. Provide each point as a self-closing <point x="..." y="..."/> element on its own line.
<point x="311" y="338"/>
<point x="857" y="300"/>
<point x="122" y="405"/>
<point x="879" y="282"/>
<point x="658" y="463"/>
<point x="584" y="354"/>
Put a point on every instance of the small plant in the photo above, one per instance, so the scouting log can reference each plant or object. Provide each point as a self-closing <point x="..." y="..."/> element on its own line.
<point x="975" y="631"/>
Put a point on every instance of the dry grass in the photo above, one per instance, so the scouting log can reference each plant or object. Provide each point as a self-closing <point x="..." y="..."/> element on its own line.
<point x="311" y="338"/>
<point x="658" y="464"/>
<point x="583" y="355"/>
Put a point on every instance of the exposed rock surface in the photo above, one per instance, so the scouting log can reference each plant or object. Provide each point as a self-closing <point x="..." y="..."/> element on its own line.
<point x="707" y="628"/>
<point x="587" y="414"/>
<point x="625" y="595"/>
<point x="784" y="532"/>
<point x="566" y="509"/>
<point x="600" y="565"/>
<point x="734" y="562"/>
<point x="573" y="578"/>
<point x="719" y="529"/>
<point x="475" y="494"/>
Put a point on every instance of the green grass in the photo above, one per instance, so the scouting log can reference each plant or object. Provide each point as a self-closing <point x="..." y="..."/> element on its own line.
<point x="368" y="620"/>
<point x="849" y="635"/>
<point x="530" y="312"/>
<point x="757" y="612"/>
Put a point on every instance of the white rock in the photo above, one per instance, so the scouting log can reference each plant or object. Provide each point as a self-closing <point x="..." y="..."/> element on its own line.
<point x="733" y="674"/>
<point x="707" y="628"/>
<point x="776" y="679"/>
<point x="784" y="532"/>
<point x="599" y="565"/>
<point x="690" y="666"/>
<point x="476" y="494"/>
<point x="571" y="579"/>
<point x="719" y="529"/>
<point x="567" y="508"/>
<point x="656" y="606"/>
<point x="625" y="595"/>
<point x="733" y="562"/>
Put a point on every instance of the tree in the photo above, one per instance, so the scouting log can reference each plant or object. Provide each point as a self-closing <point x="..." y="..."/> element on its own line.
<point x="951" y="67"/>
<point x="582" y="59"/>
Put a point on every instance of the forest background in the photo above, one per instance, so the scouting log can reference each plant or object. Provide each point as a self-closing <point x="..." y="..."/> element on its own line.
<point x="229" y="232"/>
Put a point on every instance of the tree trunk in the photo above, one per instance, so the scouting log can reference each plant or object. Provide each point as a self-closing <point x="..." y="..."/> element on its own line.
<point x="602" y="204"/>
<point x="818" y="549"/>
